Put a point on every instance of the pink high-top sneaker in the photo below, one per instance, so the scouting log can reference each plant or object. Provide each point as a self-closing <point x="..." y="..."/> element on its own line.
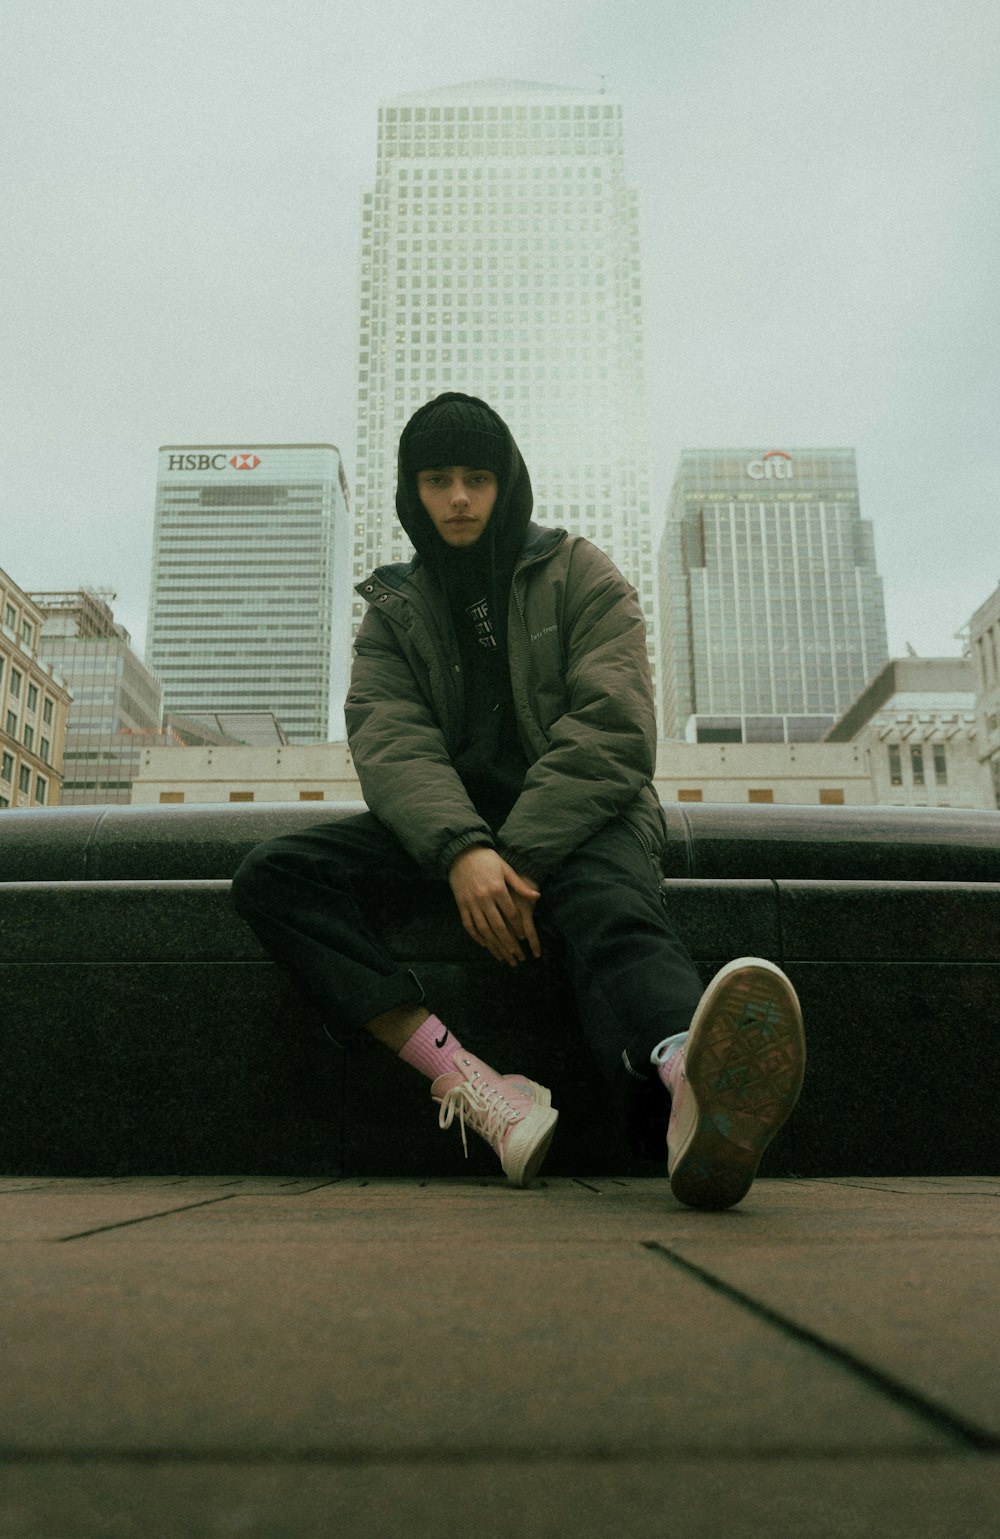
<point x="733" y="1083"/>
<point x="512" y="1113"/>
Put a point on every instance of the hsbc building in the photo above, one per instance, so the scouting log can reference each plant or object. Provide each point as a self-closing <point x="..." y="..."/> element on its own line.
<point x="771" y="609"/>
<point x="250" y="590"/>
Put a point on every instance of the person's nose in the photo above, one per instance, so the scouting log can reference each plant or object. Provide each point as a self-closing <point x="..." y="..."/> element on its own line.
<point x="459" y="496"/>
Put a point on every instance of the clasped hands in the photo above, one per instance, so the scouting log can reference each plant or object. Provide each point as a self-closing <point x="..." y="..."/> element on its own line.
<point x="496" y="905"/>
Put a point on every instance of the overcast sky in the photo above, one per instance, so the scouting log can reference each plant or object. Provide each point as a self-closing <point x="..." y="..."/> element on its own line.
<point x="818" y="186"/>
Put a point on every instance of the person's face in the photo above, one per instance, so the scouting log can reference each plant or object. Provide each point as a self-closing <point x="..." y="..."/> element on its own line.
<point x="459" y="500"/>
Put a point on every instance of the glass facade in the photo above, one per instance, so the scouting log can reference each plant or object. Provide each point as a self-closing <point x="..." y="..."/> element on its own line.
<point x="772" y="613"/>
<point x="250" y="583"/>
<point x="117" y="704"/>
<point x="500" y="256"/>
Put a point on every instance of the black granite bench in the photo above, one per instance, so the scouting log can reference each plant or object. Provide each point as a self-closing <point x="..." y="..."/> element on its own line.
<point x="143" y="1031"/>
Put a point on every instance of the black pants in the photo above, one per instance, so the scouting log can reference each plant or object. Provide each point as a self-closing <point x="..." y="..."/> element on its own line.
<point x="310" y="898"/>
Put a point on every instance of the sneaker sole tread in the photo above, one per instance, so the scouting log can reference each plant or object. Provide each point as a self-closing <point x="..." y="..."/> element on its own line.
<point x="744" y="1065"/>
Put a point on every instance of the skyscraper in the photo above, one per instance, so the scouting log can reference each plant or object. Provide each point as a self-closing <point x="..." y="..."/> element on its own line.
<point x="771" y="609"/>
<point x="500" y="256"/>
<point x="250" y="583"/>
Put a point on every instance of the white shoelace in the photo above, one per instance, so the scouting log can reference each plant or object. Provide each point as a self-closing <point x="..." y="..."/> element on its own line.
<point x="488" y="1111"/>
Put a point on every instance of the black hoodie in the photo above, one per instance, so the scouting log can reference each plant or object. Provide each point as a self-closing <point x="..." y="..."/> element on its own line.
<point x="475" y="588"/>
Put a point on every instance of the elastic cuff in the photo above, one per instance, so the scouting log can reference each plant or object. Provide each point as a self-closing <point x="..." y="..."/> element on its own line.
<point x="632" y="1073"/>
<point x="478" y="838"/>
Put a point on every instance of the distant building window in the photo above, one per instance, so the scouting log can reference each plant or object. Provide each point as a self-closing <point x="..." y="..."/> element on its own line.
<point x="895" y="765"/>
<point x="4" y="801"/>
<point x="47" y="712"/>
<point x="32" y="697"/>
<point x="9" y="617"/>
<point x="760" y="794"/>
<point x="940" y="765"/>
<point x="29" y="736"/>
<point x="44" y="749"/>
<point x="27" y="632"/>
<point x="15" y="683"/>
<point x="24" y="779"/>
<point x="171" y="796"/>
<point x="11" y="724"/>
<point x="41" y="789"/>
<point x="311" y="796"/>
<point x="917" y="764"/>
<point x="241" y="796"/>
<point x="831" y="796"/>
<point x="7" y="767"/>
<point x="689" y="795"/>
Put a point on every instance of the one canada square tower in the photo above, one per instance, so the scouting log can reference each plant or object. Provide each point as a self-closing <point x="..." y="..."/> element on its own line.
<point x="500" y="256"/>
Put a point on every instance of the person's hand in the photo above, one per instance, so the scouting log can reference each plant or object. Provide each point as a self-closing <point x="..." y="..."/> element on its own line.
<point x="496" y="905"/>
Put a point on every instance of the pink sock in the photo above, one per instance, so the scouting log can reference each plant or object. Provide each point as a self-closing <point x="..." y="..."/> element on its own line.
<point x="430" y="1048"/>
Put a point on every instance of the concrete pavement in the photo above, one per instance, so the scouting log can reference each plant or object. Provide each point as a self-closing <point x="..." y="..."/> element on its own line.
<point x="282" y="1359"/>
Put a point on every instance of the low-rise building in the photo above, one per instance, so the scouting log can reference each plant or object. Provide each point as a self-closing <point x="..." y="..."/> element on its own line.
<point x="287" y="773"/>
<point x="984" y="644"/>
<point x="916" y="726"/>
<point x="725" y="772"/>
<point x="34" y="703"/>
<point x="790" y="773"/>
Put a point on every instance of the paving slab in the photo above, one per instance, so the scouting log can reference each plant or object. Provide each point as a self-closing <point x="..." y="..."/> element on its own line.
<point x="669" y="1498"/>
<point x="279" y="1358"/>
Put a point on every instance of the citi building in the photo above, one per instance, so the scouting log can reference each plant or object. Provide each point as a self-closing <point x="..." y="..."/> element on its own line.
<point x="250" y="583"/>
<point x="772" y="612"/>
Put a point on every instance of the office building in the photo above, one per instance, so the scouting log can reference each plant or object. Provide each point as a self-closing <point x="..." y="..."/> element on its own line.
<point x="500" y="257"/>
<point x="772" y="615"/>
<point x="117" y="702"/>
<point x="34" y="704"/>
<point x="250" y="584"/>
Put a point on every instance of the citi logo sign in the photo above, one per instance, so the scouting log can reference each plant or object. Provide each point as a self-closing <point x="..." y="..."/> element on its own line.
<point x="243" y="461"/>
<point x="775" y="465"/>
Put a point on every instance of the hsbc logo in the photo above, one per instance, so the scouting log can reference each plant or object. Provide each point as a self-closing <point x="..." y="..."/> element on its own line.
<point x="245" y="460"/>
<point x="776" y="465"/>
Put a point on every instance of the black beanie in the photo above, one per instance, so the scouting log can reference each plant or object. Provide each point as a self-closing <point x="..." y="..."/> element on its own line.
<point x="459" y="432"/>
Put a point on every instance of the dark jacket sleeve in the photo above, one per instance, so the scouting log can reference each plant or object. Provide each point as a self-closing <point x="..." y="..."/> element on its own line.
<point x="398" y="747"/>
<point x="601" y="752"/>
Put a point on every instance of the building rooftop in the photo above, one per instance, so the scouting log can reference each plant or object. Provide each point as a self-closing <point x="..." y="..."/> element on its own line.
<point x="499" y="89"/>
<point x="918" y="680"/>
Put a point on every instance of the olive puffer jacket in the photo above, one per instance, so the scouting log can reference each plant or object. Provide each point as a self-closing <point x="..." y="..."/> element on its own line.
<point x="579" y="672"/>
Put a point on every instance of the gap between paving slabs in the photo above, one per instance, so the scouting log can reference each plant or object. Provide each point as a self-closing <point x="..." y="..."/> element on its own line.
<point x="964" y="1432"/>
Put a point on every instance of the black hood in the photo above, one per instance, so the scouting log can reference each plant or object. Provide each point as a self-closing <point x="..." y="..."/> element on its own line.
<point x="500" y="545"/>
